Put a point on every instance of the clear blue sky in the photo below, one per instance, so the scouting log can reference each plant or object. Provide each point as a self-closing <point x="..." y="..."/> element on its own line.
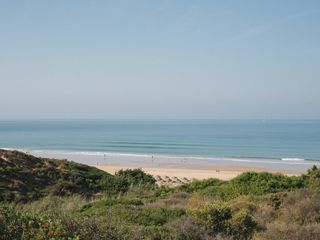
<point x="160" y="59"/>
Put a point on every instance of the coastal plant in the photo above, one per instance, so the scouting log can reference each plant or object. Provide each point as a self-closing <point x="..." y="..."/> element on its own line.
<point x="27" y="178"/>
<point x="301" y="207"/>
<point x="214" y="217"/>
<point x="18" y="225"/>
<point x="312" y="178"/>
<point x="241" y="225"/>
<point x="290" y="231"/>
<point x="163" y="191"/>
<point x="123" y="180"/>
<point x="255" y="184"/>
<point x="261" y="183"/>
<point x="175" y="200"/>
<point x="197" y="185"/>
<point x="53" y="205"/>
<point x="15" y="224"/>
<point x="137" y="177"/>
<point x="219" y="218"/>
<point x="186" y="228"/>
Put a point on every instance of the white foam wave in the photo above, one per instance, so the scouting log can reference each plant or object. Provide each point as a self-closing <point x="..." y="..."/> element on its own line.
<point x="161" y="157"/>
<point x="292" y="159"/>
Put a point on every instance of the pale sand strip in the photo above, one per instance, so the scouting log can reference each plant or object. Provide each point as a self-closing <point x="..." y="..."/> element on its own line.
<point x="176" y="176"/>
<point x="179" y="173"/>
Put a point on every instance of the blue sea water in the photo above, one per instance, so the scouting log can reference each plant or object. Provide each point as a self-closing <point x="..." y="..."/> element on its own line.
<point x="286" y="140"/>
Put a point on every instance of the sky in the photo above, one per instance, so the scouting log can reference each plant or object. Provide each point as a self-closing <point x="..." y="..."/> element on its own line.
<point x="158" y="59"/>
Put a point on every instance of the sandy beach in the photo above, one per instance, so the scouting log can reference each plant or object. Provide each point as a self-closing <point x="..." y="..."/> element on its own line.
<point x="175" y="175"/>
<point x="180" y="173"/>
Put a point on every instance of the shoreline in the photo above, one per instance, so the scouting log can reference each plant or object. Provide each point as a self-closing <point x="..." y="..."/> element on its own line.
<point x="187" y="167"/>
<point x="126" y="160"/>
<point x="175" y="170"/>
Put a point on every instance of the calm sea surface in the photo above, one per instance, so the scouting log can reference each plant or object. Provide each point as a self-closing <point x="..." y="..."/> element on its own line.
<point x="284" y="140"/>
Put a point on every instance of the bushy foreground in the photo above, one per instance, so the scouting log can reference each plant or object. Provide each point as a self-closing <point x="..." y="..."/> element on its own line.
<point x="130" y="206"/>
<point x="297" y="217"/>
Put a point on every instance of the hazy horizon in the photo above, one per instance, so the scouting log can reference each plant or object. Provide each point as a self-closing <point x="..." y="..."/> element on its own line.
<point x="166" y="119"/>
<point x="160" y="60"/>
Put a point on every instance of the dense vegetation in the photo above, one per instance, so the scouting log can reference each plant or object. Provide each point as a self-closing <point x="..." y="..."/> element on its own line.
<point x="25" y="178"/>
<point x="129" y="205"/>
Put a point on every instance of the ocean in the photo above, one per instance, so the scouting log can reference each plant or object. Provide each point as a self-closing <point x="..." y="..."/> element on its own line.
<point x="223" y="140"/>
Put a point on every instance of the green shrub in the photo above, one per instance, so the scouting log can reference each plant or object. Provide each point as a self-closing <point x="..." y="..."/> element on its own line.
<point x="136" y="177"/>
<point x="90" y="228"/>
<point x="138" y="215"/>
<point x="312" y="178"/>
<point x="225" y="192"/>
<point x="241" y="225"/>
<point x="301" y="207"/>
<point x="163" y="191"/>
<point x="186" y="229"/>
<point x="27" y="178"/>
<point x="19" y="225"/>
<point x="262" y="183"/>
<point x="256" y="184"/>
<point x="277" y="231"/>
<point x="276" y="199"/>
<point x="218" y="218"/>
<point x="103" y="204"/>
<point x="146" y="232"/>
<point x="175" y="200"/>
<point x="213" y="217"/>
<point x="197" y="185"/>
<point x="158" y="216"/>
<point x="114" y="185"/>
<point x="126" y="179"/>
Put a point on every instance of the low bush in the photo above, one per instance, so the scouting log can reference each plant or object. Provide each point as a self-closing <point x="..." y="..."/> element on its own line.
<point x="252" y="183"/>
<point x="312" y="178"/>
<point x="214" y="217"/>
<point x="106" y="203"/>
<point x="163" y="191"/>
<point x="126" y="179"/>
<point x="186" y="229"/>
<point x="143" y="216"/>
<point x="175" y="200"/>
<point x="137" y="177"/>
<point x="262" y="183"/>
<point x="278" y="231"/>
<point x="218" y="218"/>
<point x="264" y="215"/>
<point x="19" y="225"/>
<point x="27" y="178"/>
<point x="241" y="225"/>
<point x="301" y="207"/>
<point x="197" y="185"/>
